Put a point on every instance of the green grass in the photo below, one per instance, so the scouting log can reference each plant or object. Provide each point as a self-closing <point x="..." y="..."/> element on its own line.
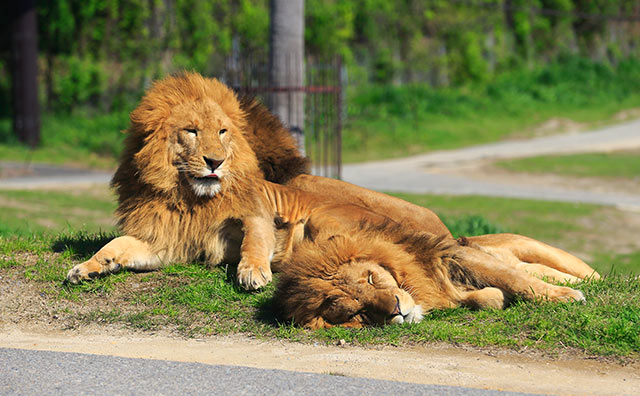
<point x="190" y="300"/>
<point x="28" y="212"/>
<point x="605" y="165"/>
<point x="391" y="121"/>
<point x="82" y="139"/>
<point x="538" y="219"/>
<point x="193" y="301"/>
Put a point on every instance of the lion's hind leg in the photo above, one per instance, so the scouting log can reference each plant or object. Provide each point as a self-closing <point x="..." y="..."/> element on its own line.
<point x="121" y="252"/>
<point x="529" y="250"/>
<point x="488" y="297"/>
<point x="511" y="280"/>
<point x="543" y="271"/>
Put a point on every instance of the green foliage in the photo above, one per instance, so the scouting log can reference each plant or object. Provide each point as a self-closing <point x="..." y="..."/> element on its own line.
<point x="386" y="120"/>
<point x="81" y="81"/>
<point x="103" y="53"/>
<point x="470" y="225"/>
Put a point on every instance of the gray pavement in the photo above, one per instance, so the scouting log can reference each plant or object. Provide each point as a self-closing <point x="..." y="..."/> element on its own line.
<point x="25" y="176"/>
<point x="423" y="173"/>
<point x="25" y="372"/>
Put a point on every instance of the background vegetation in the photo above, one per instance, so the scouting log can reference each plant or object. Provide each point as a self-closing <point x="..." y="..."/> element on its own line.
<point x="102" y="53"/>
<point x="423" y="74"/>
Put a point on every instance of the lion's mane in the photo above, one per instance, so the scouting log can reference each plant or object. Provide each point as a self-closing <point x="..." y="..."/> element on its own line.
<point x="153" y="205"/>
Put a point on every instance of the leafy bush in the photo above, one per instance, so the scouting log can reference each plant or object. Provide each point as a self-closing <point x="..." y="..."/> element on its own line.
<point x="471" y="225"/>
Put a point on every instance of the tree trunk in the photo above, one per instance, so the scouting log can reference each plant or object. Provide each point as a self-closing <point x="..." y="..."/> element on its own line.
<point x="286" y="64"/>
<point x="24" y="56"/>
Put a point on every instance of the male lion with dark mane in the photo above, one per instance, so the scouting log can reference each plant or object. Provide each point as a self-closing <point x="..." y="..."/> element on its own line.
<point x="205" y="176"/>
<point x="387" y="274"/>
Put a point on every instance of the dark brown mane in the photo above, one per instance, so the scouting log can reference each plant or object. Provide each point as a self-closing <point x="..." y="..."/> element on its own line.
<point x="276" y="149"/>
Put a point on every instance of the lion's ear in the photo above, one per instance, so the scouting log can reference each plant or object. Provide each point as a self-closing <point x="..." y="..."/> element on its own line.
<point x="317" y="323"/>
<point x="154" y="164"/>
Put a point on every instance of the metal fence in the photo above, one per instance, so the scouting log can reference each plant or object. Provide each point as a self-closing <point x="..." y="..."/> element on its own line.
<point x="321" y="97"/>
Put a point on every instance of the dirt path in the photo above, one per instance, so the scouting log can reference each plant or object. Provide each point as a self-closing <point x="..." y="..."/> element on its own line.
<point x="442" y="365"/>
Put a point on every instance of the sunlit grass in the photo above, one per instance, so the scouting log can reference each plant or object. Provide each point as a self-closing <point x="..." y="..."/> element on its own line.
<point x="604" y="165"/>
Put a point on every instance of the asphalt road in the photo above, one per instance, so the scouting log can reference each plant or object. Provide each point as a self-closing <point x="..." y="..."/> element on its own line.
<point x="27" y="372"/>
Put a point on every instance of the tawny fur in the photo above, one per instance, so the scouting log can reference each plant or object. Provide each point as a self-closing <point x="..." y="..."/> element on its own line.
<point x="321" y="287"/>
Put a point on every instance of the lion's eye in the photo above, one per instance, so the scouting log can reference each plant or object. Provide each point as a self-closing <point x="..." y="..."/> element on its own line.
<point x="222" y="131"/>
<point x="192" y="130"/>
<point x="370" y="279"/>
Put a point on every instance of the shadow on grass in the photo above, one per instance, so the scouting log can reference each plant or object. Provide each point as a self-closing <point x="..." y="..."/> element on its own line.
<point x="82" y="245"/>
<point x="269" y="313"/>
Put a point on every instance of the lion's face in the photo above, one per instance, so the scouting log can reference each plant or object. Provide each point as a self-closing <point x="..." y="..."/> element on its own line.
<point x="349" y="291"/>
<point x="186" y="133"/>
<point x="364" y="293"/>
<point x="202" y="144"/>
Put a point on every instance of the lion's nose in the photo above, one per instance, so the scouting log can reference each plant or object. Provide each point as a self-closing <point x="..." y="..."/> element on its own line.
<point x="213" y="164"/>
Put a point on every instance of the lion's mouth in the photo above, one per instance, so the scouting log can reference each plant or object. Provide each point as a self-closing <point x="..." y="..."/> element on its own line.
<point x="208" y="178"/>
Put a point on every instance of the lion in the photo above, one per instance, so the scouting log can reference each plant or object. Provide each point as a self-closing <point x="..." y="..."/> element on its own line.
<point x="198" y="178"/>
<point x="378" y="274"/>
<point x="190" y="187"/>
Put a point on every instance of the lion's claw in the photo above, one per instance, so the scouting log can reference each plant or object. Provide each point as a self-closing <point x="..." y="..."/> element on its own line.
<point x="92" y="269"/>
<point x="251" y="278"/>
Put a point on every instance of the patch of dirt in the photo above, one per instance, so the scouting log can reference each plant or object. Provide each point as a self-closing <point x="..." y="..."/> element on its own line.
<point x="490" y="172"/>
<point x="625" y="115"/>
<point x="556" y="125"/>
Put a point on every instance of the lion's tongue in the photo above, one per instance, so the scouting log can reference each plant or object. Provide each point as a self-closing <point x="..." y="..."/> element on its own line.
<point x="211" y="176"/>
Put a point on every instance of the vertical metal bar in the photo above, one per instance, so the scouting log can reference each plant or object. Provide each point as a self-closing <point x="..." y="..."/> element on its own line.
<point x="318" y="138"/>
<point x="325" y="141"/>
<point x="339" y="125"/>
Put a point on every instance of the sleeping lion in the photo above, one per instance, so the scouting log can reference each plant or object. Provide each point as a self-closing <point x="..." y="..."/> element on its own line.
<point x="385" y="274"/>
<point x="207" y="177"/>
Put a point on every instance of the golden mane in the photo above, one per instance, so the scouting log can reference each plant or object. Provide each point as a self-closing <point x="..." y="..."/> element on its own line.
<point x="325" y="281"/>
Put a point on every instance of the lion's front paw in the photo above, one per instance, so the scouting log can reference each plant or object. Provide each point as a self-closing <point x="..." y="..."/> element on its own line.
<point x="92" y="269"/>
<point x="252" y="277"/>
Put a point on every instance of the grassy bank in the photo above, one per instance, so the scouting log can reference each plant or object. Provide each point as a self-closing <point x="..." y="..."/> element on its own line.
<point x="189" y="300"/>
<point x="38" y="246"/>
<point x="81" y="139"/>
